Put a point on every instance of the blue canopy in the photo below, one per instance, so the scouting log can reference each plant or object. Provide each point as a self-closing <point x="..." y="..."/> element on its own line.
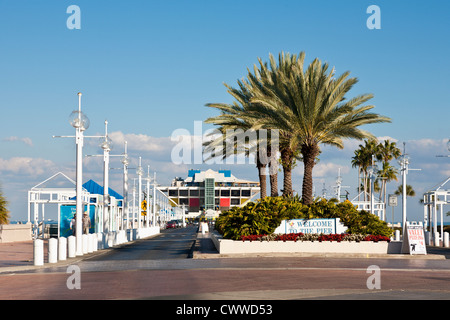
<point x="94" y="188"/>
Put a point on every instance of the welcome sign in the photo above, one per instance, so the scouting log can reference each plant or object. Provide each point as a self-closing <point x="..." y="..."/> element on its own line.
<point x="325" y="226"/>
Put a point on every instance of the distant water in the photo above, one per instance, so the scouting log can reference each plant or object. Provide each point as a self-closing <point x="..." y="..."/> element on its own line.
<point x="25" y="221"/>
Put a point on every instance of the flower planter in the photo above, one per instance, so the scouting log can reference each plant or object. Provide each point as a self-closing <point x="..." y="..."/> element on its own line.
<point x="225" y="246"/>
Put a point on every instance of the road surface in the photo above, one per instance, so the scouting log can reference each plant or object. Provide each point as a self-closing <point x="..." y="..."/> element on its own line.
<point x="161" y="268"/>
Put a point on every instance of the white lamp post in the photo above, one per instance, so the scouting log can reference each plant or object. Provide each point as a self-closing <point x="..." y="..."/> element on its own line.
<point x="125" y="162"/>
<point x="373" y="169"/>
<point x="80" y="122"/>
<point x="148" y="197"/>
<point x="139" y="172"/>
<point x="403" y="161"/>
<point x="106" y="145"/>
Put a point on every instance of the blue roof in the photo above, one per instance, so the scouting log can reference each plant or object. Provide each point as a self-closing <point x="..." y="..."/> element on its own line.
<point x="94" y="188"/>
<point x="192" y="172"/>
<point x="226" y="173"/>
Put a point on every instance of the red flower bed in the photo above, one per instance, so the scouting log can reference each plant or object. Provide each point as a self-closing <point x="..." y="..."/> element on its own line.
<point x="376" y="238"/>
<point x="289" y="237"/>
<point x="331" y="237"/>
<point x="252" y="237"/>
<point x="324" y="237"/>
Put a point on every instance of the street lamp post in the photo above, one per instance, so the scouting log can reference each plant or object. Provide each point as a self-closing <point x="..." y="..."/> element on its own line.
<point x="403" y="161"/>
<point x="373" y="169"/>
<point x="139" y="172"/>
<point x="125" y="162"/>
<point x="80" y="122"/>
<point x="106" y="145"/>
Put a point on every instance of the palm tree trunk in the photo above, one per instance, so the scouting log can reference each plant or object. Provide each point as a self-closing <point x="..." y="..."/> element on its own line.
<point x="274" y="185"/>
<point x="273" y="172"/>
<point x="287" y="157"/>
<point x="309" y="152"/>
<point x="262" y="179"/>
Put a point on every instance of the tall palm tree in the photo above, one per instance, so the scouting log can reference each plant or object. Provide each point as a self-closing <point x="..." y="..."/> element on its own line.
<point x="311" y="105"/>
<point x="363" y="160"/>
<point x="264" y="79"/>
<point x="386" y="152"/>
<point x="233" y="117"/>
<point x="409" y="191"/>
<point x="387" y="173"/>
<point x="4" y="212"/>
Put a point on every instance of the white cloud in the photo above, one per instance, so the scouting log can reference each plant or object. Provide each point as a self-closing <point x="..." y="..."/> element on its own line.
<point x="25" y="140"/>
<point x="140" y="142"/>
<point x="26" y="166"/>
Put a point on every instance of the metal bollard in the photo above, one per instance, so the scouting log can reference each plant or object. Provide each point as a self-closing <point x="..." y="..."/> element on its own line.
<point x="52" y="250"/>
<point x="62" y="249"/>
<point x="94" y="242"/>
<point x="397" y="235"/>
<point x="446" y="240"/>
<point x="38" y="252"/>
<point x="84" y="238"/>
<point x="72" y="246"/>
<point x="90" y="247"/>
<point x="437" y="242"/>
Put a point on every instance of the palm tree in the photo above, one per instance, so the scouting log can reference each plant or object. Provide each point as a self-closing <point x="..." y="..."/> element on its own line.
<point x="4" y="213"/>
<point x="311" y="106"/>
<point x="386" y="152"/>
<point x="261" y="82"/>
<point x="409" y="191"/>
<point x="387" y="173"/>
<point x="363" y="160"/>
<point x="233" y="117"/>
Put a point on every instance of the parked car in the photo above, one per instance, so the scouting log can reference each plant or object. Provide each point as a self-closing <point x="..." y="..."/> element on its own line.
<point x="172" y="224"/>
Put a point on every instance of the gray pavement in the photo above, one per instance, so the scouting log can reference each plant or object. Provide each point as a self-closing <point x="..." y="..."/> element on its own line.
<point x="163" y="270"/>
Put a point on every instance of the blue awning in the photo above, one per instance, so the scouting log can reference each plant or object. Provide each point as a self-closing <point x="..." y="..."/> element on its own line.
<point x="94" y="188"/>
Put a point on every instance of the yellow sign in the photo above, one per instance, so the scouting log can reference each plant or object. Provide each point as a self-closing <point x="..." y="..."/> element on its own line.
<point x="144" y="208"/>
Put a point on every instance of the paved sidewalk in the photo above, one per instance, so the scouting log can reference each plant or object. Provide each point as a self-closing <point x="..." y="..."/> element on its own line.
<point x="19" y="255"/>
<point x="14" y="254"/>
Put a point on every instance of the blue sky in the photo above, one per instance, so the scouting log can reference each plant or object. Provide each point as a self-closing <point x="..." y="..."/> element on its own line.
<point x="149" y="67"/>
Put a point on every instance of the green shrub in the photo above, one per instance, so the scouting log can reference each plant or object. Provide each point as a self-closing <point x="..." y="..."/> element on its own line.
<point x="264" y="216"/>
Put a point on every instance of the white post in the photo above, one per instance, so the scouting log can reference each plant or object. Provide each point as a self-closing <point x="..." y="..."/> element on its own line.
<point x="90" y="247"/>
<point x="397" y="235"/>
<point x="154" y="198"/>
<point x="38" y="252"/>
<point x="79" y="182"/>
<point x="404" y="171"/>
<point x="71" y="246"/>
<point x="125" y="188"/>
<point x="84" y="237"/>
<point x="134" y="204"/>
<point x="139" y="172"/>
<point x="62" y="249"/>
<point x="148" y="196"/>
<point x="52" y="250"/>
<point x="446" y="240"/>
<point x="106" y="148"/>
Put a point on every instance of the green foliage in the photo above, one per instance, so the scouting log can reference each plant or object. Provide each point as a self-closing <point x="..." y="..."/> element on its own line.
<point x="260" y="217"/>
<point x="265" y="215"/>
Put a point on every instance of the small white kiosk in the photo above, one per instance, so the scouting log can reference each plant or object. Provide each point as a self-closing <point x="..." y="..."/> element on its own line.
<point x="434" y="201"/>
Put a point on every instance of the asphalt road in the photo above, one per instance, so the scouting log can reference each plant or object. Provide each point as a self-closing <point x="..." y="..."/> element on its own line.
<point x="159" y="268"/>
<point x="169" y="244"/>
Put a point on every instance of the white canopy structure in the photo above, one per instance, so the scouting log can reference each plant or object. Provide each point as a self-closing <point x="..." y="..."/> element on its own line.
<point x="51" y="191"/>
<point x="434" y="201"/>
<point x="378" y="206"/>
